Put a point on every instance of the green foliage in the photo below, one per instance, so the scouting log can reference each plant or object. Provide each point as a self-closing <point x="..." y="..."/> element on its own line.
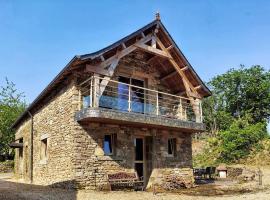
<point x="236" y="115"/>
<point x="244" y="90"/>
<point x="233" y="144"/>
<point x="210" y="154"/>
<point x="11" y="106"/>
<point x="239" y="139"/>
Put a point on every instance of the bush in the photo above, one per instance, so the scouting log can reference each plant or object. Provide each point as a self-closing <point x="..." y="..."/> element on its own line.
<point x="6" y="166"/>
<point x="239" y="139"/>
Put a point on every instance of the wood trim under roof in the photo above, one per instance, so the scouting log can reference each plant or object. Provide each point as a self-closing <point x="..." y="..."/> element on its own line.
<point x="105" y="53"/>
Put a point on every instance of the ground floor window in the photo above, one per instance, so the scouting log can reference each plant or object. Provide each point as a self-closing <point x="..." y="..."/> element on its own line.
<point x="109" y="144"/>
<point x="172" y="146"/>
<point x="44" y="149"/>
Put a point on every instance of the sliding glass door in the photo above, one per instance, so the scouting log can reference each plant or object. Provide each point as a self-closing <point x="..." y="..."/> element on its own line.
<point x="136" y="94"/>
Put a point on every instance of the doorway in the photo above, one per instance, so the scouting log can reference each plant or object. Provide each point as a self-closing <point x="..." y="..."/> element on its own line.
<point x="139" y="157"/>
<point x="21" y="160"/>
<point x="143" y="157"/>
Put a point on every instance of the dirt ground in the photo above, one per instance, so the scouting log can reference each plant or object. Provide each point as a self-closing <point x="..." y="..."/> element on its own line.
<point x="9" y="189"/>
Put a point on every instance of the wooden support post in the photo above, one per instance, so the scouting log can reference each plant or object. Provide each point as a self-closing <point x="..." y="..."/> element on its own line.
<point x="95" y="90"/>
<point x="91" y="92"/>
<point x="180" y="109"/>
<point x="154" y="42"/>
<point x="157" y="105"/>
<point x="80" y="99"/>
<point x="196" y="108"/>
<point x="123" y="45"/>
<point x="201" y="113"/>
<point x="106" y="80"/>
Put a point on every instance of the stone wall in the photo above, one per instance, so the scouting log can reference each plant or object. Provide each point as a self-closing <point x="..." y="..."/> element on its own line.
<point x="55" y="120"/>
<point x="92" y="165"/>
<point x="75" y="155"/>
<point x="21" y="164"/>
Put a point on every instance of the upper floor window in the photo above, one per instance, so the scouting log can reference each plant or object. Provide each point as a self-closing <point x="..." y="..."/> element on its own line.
<point x="172" y="146"/>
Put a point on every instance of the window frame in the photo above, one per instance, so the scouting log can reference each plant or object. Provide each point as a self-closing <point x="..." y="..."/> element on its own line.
<point x="113" y="137"/>
<point x="171" y="144"/>
<point x="44" y="147"/>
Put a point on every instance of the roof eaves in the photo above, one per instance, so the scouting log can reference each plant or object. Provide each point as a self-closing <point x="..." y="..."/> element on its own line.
<point x="43" y="93"/>
<point x="119" y="42"/>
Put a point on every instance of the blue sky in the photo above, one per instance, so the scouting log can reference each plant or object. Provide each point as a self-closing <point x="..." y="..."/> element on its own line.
<point x="38" y="38"/>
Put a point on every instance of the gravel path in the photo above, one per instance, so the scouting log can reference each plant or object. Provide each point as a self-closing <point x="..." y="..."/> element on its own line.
<point x="21" y="191"/>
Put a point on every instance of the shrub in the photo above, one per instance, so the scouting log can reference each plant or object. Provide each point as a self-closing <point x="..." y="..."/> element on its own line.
<point x="239" y="139"/>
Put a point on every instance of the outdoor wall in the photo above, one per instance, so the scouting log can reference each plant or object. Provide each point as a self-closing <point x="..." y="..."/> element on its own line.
<point x="75" y="155"/>
<point x="21" y="170"/>
<point x="92" y="166"/>
<point x="54" y="121"/>
<point x="168" y="168"/>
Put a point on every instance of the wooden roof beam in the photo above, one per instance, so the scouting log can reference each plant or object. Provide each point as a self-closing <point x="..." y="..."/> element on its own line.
<point x="142" y="34"/>
<point x="123" y="45"/>
<point x="198" y="87"/>
<point x="97" y="70"/>
<point x="189" y="87"/>
<point x="102" y="58"/>
<point x="153" y="50"/>
<point x="184" y="68"/>
<point x="125" y="51"/>
<point x="169" y="47"/>
<point x="169" y="75"/>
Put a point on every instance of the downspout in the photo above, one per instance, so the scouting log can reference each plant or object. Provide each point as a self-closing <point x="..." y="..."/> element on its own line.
<point x="31" y="147"/>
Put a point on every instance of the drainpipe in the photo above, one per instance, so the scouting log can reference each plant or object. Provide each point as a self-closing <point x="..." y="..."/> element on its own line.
<point x="31" y="147"/>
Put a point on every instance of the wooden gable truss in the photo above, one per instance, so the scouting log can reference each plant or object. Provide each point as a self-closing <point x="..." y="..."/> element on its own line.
<point x="107" y="66"/>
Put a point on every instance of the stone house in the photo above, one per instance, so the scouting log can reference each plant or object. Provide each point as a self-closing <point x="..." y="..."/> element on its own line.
<point x="131" y="106"/>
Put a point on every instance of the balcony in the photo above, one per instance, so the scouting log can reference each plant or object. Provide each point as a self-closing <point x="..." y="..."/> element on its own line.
<point x="102" y="99"/>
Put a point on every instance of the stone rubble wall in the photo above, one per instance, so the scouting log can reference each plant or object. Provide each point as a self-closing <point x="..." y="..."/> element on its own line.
<point x="23" y="172"/>
<point x="92" y="166"/>
<point x="75" y="155"/>
<point x="171" y="179"/>
<point x="56" y="120"/>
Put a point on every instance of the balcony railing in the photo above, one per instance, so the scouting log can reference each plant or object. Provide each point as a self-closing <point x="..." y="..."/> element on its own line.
<point x="111" y="94"/>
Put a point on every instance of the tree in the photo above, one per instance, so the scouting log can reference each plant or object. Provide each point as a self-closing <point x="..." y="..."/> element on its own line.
<point x="12" y="104"/>
<point x="237" y="93"/>
<point x="239" y="139"/>
<point x="242" y="91"/>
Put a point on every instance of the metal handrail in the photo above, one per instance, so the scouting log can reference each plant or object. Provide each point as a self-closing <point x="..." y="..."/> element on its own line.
<point x="147" y="89"/>
<point x="165" y="105"/>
